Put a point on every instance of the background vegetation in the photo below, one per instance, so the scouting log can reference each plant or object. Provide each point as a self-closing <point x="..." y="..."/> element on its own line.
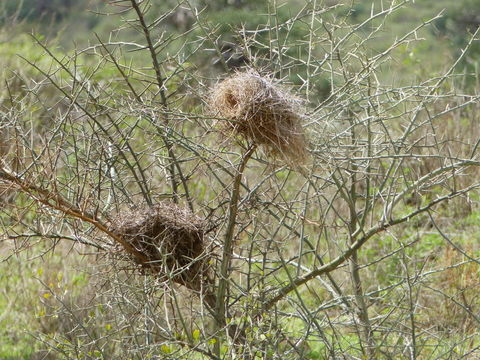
<point x="368" y="250"/>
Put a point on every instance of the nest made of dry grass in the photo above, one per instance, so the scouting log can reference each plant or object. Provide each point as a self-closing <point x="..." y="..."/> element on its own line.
<point x="171" y="240"/>
<point x="262" y="112"/>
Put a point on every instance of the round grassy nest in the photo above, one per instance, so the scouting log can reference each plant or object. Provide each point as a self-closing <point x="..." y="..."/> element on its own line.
<point x="170" y="240"/>
<point x="262" y="112"/>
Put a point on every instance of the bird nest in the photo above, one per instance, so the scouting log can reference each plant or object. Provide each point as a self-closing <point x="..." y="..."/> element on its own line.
<point x="168" y="240"/>
<point x="262" y="112"/>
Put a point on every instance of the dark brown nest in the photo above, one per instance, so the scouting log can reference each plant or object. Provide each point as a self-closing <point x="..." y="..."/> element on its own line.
<point x="262" y="112"/>
<point x="169" y="241"/>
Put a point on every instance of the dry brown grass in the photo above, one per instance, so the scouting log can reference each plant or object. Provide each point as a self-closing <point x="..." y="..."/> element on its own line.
<point x="262" y="112"/>
<point x="172" y="240"/>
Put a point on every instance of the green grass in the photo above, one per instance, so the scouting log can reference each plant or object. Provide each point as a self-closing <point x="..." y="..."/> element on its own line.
<point x="27" y="306"/>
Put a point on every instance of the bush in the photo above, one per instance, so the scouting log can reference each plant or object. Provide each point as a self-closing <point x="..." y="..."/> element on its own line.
<point x="336" y="256"/>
